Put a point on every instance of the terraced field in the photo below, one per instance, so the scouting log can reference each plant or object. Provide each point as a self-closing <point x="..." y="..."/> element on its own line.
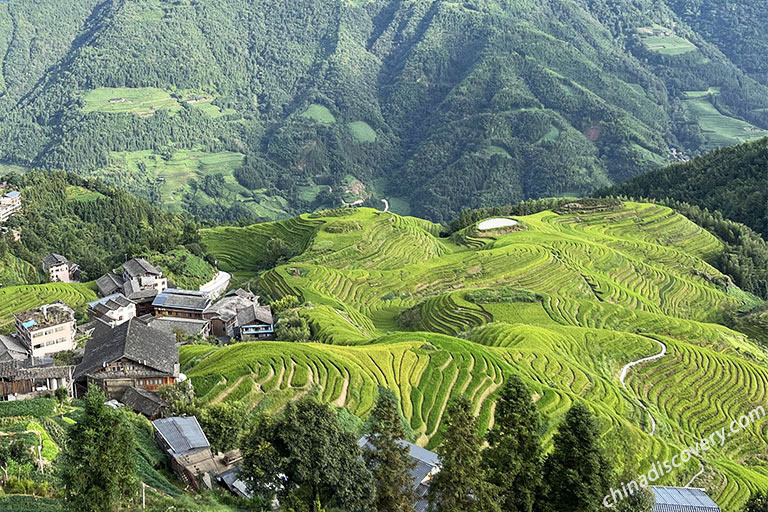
<point x="14" y="299"/>
<point x="566" y="302"/>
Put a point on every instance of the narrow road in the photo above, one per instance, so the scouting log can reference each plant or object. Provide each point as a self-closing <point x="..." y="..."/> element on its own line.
<point x="697" y="475"/>
<point x="625" y="372"/>
<point x="386" y="205"/>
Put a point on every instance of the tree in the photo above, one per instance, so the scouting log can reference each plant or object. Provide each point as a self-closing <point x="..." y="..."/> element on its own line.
<point x="180" y="396"/>
<point x="460" y="484"/>
<point x="97" y="465"/>
<point x="389" y="461"/>
<point x="641" y="500"/>
<point x="61" y="395"/>
<point x="306" y="457"/>
<point x="223" y="423"/>
<point x="757" y="503"/>
<point x="577" y="473"/>
<point x="514" y="455"/>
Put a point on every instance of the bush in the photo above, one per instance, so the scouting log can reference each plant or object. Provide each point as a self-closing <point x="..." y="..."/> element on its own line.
<point x="502" y="294"/>
<point x="38" y="408"/>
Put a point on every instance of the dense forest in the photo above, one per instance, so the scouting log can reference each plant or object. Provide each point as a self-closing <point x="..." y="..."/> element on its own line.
<point x="232" y="110"/>
<point x="89" y="223"/>
<point x="732" y="180"/>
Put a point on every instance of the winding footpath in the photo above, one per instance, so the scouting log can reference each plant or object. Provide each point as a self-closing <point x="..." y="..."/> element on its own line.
<point x="623" y="378"/>
<point x="625" y="372"/>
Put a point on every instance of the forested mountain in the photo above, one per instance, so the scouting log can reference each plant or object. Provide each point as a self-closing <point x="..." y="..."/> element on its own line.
<point x="732" y="180"/>
<point x="93" y="225"/>
<point x="232" y="109"/>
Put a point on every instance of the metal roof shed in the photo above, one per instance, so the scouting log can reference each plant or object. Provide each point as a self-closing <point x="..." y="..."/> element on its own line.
<point x="682" y="499"/>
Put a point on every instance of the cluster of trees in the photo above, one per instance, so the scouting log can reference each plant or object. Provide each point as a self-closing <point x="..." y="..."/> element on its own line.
<point x="308" y="460"/>
<point x="492" y="115"/>
<point x="97" y="232"/>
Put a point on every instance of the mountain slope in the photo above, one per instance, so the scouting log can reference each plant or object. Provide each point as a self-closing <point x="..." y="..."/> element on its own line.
<point x="732" y="180"/>
<point x="566" y="300"/>
<point x="435" y="105"/>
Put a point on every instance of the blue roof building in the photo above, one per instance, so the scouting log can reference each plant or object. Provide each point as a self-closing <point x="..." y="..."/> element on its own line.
<point x="682" y="499"/>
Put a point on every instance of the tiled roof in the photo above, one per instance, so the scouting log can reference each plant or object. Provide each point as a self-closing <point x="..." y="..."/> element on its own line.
<point x="682" y="499"/>
<point x="139" y="267"/>
<point x="11" y="349"/>
<point x="255" y="315"/>
<point x="230" y="304"/>
<point x="53" y="260"/>
<point x="109" y="284"/>
<point x="183" y="434"/>
<point x="110" y="303"/>
<point x="132" y="340"/>
<point x="171" y="325"/>
<point x="425" y="462"/>
<point x="182" y="299"/>
<point x="143" y="401"/>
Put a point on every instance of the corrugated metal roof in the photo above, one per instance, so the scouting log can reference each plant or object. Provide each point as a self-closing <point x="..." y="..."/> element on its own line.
<point x="682" y="499"/>
<point x="183" y="434"/>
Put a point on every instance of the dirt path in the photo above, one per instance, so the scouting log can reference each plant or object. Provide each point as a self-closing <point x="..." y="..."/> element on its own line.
<point x="697" y="475"/>
<point x="625" y="372"/>
<point x="386" y="205"/>
<point x="339" y="402"/>
<point x="224" y="394"/>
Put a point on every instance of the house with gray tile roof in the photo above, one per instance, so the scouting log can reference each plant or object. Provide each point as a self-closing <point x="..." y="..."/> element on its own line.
<point x="112" y="310"/>
<point x="682" y="499"/>
<point x="181" y="303"/>
<point x="139" y="282"/>
<point x="131" y="354"/>
<point x="187" y="447"/>
<point x="143" y="401"/>
<point x="425" y="465"/>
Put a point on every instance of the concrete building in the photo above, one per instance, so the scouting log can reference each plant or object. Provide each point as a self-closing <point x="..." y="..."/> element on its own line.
<point x="47" y="329"/>
<point x="113" y="310"/>
<point x="10" y="204"/>
<point x="60" y="269"/>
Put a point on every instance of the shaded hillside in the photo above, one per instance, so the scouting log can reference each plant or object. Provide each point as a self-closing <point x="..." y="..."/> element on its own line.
<point x="232" y="109"/>
<point x="91" y="224"/>
<point x="564" y="300"/>
<point x="731" y="180"/>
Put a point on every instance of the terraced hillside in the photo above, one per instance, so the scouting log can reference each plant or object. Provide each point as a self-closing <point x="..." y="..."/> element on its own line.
<point x="14" y="299"/>
<point x="566" y="301"/>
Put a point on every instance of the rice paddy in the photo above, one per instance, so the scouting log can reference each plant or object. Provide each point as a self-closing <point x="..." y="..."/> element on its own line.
<point x="566" y="302"/>
<point x="14" y="299"/>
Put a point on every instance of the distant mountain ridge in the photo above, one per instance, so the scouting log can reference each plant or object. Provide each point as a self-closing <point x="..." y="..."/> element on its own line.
<point x="434" y="105"/>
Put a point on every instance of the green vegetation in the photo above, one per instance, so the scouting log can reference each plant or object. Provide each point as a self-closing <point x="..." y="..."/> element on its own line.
<point x="87" y="222"/>
<point x="14" y="299"/>
<point x="469" y="104"/>
<point x="720" y="129"/>
<point x="362" y="131"/>
<point x="143" y="101"/>
<point x="319" y="113"/>
<point x="184" y="269"/>
<point x="564" y="304"/>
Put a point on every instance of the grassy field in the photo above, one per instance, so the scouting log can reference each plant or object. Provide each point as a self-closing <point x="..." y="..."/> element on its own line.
<point x="663" y="40"/>
<point x="75" y="193"/>
<point x="719" y="129"/>
<point x="319" y="113"/>
<point x="392" y="303"/>
<point x="143" y="101"/>
<point x="362" y="131"/>
<point x="173" y="176"/>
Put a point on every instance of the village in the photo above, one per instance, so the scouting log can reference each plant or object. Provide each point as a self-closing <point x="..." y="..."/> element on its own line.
<point x="128" y="348"/>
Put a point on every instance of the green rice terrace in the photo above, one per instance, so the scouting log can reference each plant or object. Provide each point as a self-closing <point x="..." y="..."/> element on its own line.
<point x="567" y="301"/>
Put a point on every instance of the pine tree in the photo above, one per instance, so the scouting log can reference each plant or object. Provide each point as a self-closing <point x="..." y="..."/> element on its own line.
<point x="758" y="503"/>
<point x="460" y="484"/>
<point x="389" y="461"/>
<point x="514" y="455"/>
<point x="577" y="473"/>
<point x="98" y="470"/>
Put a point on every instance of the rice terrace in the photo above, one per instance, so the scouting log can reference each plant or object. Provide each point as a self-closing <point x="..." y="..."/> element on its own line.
<point x="578" y="302"/>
